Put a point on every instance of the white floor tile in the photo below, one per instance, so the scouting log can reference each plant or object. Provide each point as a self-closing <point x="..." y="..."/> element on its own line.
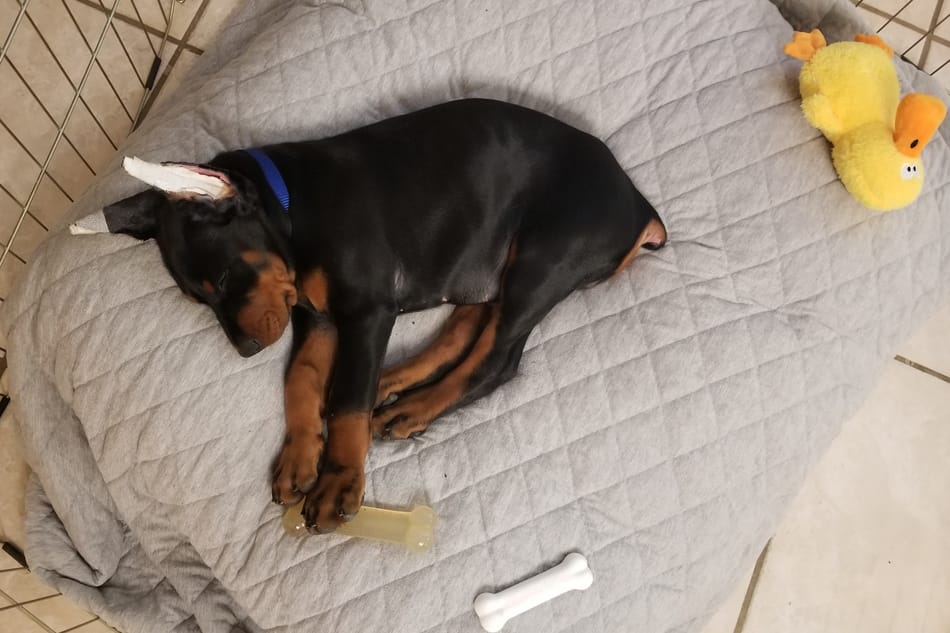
<point x="210" y="22"/>
<point x="59" y="613"/>
<point x="943" y="76"/>
<point x="901" y="38"/>
<point x="21" y="585"/>
<point x="184" y="62"/>
<point x="724" y="620"/>
<point x="864" y="546"/>
<point x="873" y="19"/>
<point x="7" y="562"/>
<point x="936" y="56"/>
<point x="16" y="621"/>
<point x="94" y="627"/>
<point x="930" y="346"/>
<point x="917" y="12"/>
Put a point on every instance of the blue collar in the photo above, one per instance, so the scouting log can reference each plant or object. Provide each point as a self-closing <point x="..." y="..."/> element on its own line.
<point x="272" y="175"/>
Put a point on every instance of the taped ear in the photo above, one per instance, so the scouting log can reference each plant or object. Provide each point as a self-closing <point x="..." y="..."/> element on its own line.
<point x="180" y="179"/>
<point x="135" y="216"/>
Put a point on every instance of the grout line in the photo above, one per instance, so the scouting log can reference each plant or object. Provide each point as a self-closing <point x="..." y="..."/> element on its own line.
<point x="13" y="29"/>
<point x="62" y="130"/>
<point x="750" y="592"/>
<point x="108" y="79"/>
<point x="73" y="628"/>
<point x="156" y="60"/>
<point x="45" y="626"/>
<point x="901" y="22"/>
<point x="138" y="15"/>
<point x="171" y="64"/>
<point x="35" y="600"/>
<point x="927" y="370"/>
<point x="935" y="21"/>
<point x="69" y="80"/>
<point x="895" y="16"/>
<point x="150" y="29"/>
<point x="3" y="594"/>
<point x="49" y="114"/>
<point x="16" y="554"/>
<point x="29" y="153"/>
<point x="930" y="36"/>
<point x="18" y="603"/>
<point x="125" y="49"/>
<point x="161" y="9"/>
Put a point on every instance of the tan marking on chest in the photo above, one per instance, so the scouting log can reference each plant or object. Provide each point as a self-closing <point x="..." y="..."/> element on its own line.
<point x="316" y="286"/>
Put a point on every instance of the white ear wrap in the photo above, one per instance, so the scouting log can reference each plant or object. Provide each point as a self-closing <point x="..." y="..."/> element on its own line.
<point x="177" y="178"/>
<point x="92" y="223"/>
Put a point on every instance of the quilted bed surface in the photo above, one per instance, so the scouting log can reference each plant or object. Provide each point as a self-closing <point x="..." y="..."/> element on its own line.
<point x="659" y="424"/>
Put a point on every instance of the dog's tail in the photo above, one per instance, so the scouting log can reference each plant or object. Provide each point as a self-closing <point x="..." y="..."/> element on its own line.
<point x="653" y="236"/>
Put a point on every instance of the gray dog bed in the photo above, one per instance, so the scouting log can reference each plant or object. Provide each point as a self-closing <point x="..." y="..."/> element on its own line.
<point x="660" y="423"/>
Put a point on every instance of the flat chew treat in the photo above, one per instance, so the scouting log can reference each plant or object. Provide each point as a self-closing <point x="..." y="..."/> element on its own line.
<point x="495" y="609"/>
<point x="415" y="529"/>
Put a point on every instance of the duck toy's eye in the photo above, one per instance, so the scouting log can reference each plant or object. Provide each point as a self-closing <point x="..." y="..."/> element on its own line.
<point x="908" y="171"/>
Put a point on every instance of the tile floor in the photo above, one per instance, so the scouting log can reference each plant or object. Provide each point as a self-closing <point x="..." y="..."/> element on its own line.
<point x="40" y="73"/>
<point x="29" y="606"/>
<point x="863" y="547"/>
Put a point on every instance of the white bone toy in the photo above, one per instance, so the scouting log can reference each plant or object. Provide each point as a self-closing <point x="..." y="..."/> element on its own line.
<point x="495" y="609"/>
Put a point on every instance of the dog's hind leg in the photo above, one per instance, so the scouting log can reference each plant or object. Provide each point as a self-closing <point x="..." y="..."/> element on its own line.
<point x="534" y="282"/>
<point x="445" y="352"/>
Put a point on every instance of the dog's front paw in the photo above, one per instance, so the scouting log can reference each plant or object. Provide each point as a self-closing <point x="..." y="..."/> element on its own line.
<point x="336" y="499"/>
<point x="296" y="470"/>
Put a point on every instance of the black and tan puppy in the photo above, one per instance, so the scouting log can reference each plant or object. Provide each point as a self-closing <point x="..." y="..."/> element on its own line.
<point x="500" y="210"/>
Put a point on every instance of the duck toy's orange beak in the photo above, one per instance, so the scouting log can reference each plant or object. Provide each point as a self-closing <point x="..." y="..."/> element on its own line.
<point x="918" y="117"/>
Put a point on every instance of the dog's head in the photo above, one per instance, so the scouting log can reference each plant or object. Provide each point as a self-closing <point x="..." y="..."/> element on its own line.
<point x="216" y="242"/>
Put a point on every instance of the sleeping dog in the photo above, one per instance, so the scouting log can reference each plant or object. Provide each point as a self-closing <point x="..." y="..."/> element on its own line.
<point x="497" y="209"/>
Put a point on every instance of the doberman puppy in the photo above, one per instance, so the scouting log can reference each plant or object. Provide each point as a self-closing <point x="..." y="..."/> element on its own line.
<point x="498" y="209"/>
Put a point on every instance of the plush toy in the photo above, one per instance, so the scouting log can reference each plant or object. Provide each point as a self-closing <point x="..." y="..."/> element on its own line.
<point x="851" y="94"/>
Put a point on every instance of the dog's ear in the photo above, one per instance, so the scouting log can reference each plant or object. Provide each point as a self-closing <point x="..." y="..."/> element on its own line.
<point x="136" y="216"/>
<point x="181" y="180"/>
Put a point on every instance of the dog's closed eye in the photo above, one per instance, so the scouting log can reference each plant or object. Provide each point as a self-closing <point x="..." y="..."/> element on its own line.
<point x="222" y="282"/>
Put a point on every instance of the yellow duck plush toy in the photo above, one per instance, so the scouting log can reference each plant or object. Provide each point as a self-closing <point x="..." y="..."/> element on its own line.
<point x="851" y="94"/>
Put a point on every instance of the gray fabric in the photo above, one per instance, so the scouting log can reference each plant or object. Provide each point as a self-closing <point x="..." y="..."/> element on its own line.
<point x="659" y="424"/>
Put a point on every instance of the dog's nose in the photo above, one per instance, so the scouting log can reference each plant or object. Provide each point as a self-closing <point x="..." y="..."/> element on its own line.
<point x="249" y="347"/>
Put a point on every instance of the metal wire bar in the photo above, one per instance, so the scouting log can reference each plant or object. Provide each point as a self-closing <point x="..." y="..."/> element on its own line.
<point x="893" y="17"/>
<point x="907" y="25"/>
<point x="139" y="24"/>
<point x="157" y="63"/>
<point x="128" y="56"/>
<point x="115" y="90"/>
<point x="171" y="64"/>
<point x="13" y="29"/>
<point x="929" y="34"/>
<point x="138" y="14"/>
<point x="934" y="23"/>
<point x="36" y="97"/>
<point x="939" y="68"/>
<point x="61" y="132"/>
<point x="19" y="204"/>
<point x="59" y="65"/>
<point x="33" y="158"/>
